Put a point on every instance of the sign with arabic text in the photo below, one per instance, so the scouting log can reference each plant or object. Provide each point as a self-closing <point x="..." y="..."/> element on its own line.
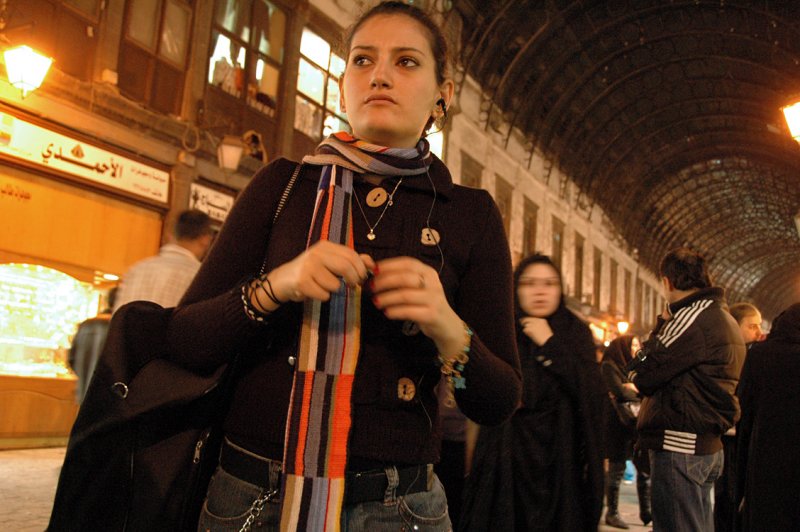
<point x="48" y="149"/>
<point x="214" y="203"/>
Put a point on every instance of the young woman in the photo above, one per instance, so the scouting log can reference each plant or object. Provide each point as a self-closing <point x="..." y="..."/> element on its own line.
<point x="621" y="436"/>
<point x="543" y="469"/>
<point x="378" y="276"/>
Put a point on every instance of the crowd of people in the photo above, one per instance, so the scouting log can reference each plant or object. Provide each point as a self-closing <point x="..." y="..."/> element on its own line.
<point x="356" y="353"/>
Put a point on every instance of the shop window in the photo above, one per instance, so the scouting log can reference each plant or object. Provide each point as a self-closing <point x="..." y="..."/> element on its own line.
<point x="317" y="110"/>
<point x="530" y="214"/>
<point x="153" y="52"/>
<point x="64" y="30"/>
<point x="247" y="50"/>
<point x="40" y="309"/>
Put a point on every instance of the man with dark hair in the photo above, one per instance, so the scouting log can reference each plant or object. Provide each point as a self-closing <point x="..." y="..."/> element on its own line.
<point x="165" y="277"/>
<point x="687" y="371"/>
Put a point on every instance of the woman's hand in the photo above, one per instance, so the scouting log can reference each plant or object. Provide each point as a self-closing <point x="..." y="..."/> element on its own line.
<point x="404" y="288"/>
<point x="316" y="274"/>
<point x="537" y="329"/>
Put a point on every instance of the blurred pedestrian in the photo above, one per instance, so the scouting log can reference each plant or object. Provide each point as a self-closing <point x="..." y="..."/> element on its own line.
<point x="768" y="461"/>
<point x="543" y="470"/>
<point x="88" y="344"/>
<point x="164" y="278"/>
<point x="748" y="318"/>
<point x="687" y="371"/>
<point x="621" y="415"/>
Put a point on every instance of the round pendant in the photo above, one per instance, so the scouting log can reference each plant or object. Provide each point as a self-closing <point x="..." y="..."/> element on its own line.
<point x="370" y="236"/>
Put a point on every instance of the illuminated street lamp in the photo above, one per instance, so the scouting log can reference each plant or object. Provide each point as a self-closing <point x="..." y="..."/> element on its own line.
<point x="792" y="114"/>
<point x="26" y="68"/>
<point x="229" y="152"/>
<point x="623" y="326"/>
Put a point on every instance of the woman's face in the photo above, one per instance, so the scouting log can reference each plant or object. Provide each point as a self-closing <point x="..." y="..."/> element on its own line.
<point x="539" y="290"/>
<point x="390" y="89"/>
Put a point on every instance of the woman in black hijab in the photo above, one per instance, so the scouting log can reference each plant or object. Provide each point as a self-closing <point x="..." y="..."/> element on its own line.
<point x="767" y="480"/>
<point x="621" y="411"/>
<point x="543" y="469"/>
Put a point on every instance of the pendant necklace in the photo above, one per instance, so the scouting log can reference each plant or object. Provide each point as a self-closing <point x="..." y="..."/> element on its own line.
<point x="371" y="235"/>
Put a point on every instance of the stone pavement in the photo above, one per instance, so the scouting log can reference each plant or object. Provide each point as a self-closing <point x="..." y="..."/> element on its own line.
<point x="28" y="483"/>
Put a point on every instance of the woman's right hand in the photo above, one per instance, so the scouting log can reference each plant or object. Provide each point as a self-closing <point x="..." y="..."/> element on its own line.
<point x="317" y="272"/>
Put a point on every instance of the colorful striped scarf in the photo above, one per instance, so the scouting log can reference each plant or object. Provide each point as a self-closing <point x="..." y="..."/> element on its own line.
<point x="319" y="420"/>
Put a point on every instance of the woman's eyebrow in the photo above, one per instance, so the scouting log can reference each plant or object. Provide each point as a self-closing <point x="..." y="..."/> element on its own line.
<point x="397" y="49"/>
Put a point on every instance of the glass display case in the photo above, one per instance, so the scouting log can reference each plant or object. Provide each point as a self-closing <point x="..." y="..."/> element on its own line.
<point x="40" y="309"/>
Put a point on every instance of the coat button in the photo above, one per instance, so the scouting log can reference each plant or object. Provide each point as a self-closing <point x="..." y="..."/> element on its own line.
<point x="377" y="197"/>
<point x="291" y="360"/>
<point x="406" y="389"/>
<point x="429" y="237"/>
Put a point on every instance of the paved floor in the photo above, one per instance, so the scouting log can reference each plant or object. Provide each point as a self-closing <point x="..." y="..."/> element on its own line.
<point x="28" y="481"/>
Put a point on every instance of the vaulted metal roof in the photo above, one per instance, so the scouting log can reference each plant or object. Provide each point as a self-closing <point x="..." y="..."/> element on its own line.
<point x="665" y="113"/>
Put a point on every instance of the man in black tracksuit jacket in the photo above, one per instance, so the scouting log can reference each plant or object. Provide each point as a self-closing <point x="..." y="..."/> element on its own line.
<point x="687" y="371"/>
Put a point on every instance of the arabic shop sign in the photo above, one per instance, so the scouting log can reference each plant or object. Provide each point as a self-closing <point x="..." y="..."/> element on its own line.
<point x="212" y="202"/>
<point x="49" y="149"/>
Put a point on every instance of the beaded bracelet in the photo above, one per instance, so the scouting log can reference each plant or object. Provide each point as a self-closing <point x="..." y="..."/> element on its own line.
<point x="248" y="291"/>
<point x="452" y="367"/>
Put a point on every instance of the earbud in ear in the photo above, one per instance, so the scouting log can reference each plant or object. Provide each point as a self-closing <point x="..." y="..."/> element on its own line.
<point x="441" y="103"/>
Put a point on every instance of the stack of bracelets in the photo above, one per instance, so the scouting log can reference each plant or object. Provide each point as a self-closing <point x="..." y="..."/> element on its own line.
<point x="249" y="289"/>
<point x="452" y="367"/>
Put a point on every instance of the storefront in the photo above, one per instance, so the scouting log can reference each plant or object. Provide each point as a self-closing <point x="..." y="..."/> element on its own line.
<point x="74" y="215"/>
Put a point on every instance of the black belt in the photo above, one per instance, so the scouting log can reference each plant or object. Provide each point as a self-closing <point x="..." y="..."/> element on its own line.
<point x="362" y="486"/>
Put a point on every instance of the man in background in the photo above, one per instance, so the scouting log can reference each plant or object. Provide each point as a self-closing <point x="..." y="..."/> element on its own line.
<point x="687" y="371"/>
<point x="165" y="277"/>
<point x="749" y="319"/>
<point x="88" y="344"/>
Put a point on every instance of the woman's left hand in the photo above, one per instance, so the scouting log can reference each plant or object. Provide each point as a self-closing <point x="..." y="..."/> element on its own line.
<point x="405" y="288"/>
<point x="537" y="329"/>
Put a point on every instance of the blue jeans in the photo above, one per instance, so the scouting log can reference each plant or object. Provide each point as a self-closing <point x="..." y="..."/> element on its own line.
<point x="681" y="490"/>
<point x="230" y="501"/>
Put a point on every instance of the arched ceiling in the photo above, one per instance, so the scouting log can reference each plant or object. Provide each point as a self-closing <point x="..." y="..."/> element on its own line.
<point x="664" y="113"/>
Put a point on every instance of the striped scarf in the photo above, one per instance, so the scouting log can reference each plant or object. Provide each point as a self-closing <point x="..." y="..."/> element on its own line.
<point x="319" y="421"/>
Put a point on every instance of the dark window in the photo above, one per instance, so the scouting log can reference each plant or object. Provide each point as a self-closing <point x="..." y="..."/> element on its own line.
<point x="612" y="303"/>
<point x="637" y="305"/>
<point x="627" y="295"/>
<point x="597" y="282"/>
<point x="530" y="214"/>
<point x="471" y="171"/>
<point x="558" y="242"/>
<point x="578" y="292"/>
<point x="503" y="195"/>
<point x="153" y="52"/>
<point x="63" y="30"/>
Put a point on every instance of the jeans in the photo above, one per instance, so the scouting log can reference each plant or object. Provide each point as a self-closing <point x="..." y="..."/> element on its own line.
<point x="681" y="490"/>
<point x="230" y="502"/>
